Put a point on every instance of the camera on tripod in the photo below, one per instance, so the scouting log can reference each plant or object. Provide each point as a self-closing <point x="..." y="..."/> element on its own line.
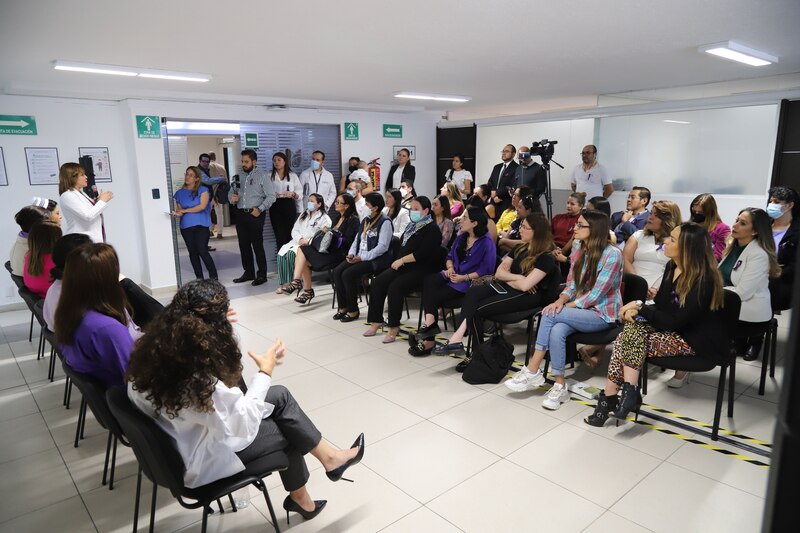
<point x="544" y="149"/>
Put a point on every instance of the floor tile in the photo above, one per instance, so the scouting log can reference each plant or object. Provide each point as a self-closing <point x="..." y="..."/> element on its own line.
<point x="308" y="387"/>
<point x="427" y="393"/>
<point x="738" y="474"/>
<point x="296" y="331"/>
<point x="505" y="497"/>
<point x="62" y="423"/>
<point x="598" y="469"/>
<point x="423" y="520"/>
<point x="366" y="413"/>
<point x="533" y="400"/>
<point x="373" y="368"/>
<point x="85" y="463"/>
<point x="243" y="520"/>
<point x="40" y="480"/>
<point x="13" y="318"/>
<point x="10" y="374"/>
<point x="494" y="423"/>
<point x="51" y="395"/>
<point x="681" y="500"/>
<point x="70" y="512"/>
<point x="16" y="402"/>
<point x="612" y="522"/>
<point x="23" y="436"/>
<point x="333" y="348"/>
<point x="426" y="460"/>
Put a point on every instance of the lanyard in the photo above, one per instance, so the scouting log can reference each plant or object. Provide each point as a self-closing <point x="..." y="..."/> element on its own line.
<point x="317" y="179"/>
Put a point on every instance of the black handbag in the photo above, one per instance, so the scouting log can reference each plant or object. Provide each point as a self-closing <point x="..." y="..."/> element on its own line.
<point x="490" y="362"/>
<point x="321" y="241"/>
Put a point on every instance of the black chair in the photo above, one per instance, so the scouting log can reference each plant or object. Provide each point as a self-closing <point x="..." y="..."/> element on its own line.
<point x="30" y="298"/>
<point x="18" y="281"/>
<point x="145" y="307"/>
<point x="93" y="395"/>
<point x="162" y="464"/>
<point x="532" y="317"/>
<point x="633" y="288"/>
<point x="724" y="358"/>
<point x="770" y="354"/>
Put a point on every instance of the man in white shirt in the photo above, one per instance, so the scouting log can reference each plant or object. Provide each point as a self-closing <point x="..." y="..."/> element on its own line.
<point x="591" y="177"/>
<point x="354" y="189"/>
<point x="318" y="180"/>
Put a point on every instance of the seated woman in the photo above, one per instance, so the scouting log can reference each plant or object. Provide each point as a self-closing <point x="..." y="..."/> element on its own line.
<point x="703" y="211"/>
<point x="53" y="212"/>
<point x="476" y="201"/>
<point x="526" y="206"/>
<point x="61" y="249"/>
<point x="185" y="375"/>
<point x="395" y="211"/>
<point x="451" y="192"/>
<point x="440" y="212"/>
<point x="681" y="322"/>
<point x="39" y="259"/>
<point x="564" y="228"/>
<point x="527" y="276"/>
<point x="369" y="254"/>
<point x="510" y="215"/>
<point x="417" y="257"/>
<point x="25" y="219"/>
<point x="306" y="225"/>
<point x="590" y="302"/>
<point x="472" y="256"/>
<point x="644" y="256"/>
<point x="344" y="225"/>
<point x="92" y="320"/>
<point x="747" y="266"/>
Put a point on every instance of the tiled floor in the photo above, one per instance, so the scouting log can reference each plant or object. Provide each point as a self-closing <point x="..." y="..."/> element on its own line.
<point x="441" y="455"/>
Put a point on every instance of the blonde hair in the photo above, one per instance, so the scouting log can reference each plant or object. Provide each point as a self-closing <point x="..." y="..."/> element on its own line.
<point x="68" y="176"/>
<point x="670" y="215"/>
<point x="697" y="263"/>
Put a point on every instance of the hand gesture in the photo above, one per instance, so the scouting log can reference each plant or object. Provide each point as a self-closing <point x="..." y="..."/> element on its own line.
<point x="106" y="196"/>
<point x="554" y="308"/>
<point x="268" y="360"/>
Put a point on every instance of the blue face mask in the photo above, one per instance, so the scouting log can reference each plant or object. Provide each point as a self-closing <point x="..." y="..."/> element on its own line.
<point x="315" y="165"/>
<point x="415" y="216"/>
<point x="774" y="210"/>
<point x="351" y="192"/>
<point x="311" y="206"/>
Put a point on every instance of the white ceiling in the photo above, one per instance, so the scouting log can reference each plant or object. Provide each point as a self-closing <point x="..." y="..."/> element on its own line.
<point x="511" y="57"/>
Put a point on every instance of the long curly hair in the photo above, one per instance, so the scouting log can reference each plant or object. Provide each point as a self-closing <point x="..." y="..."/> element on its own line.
<point x="187" y="350"/>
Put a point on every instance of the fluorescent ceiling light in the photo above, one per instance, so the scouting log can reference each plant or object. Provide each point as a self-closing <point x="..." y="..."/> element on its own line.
<point x="178" y="126"/>
<point x="94" y="68"/>
<point x="677" y="121"/>
<point x="740" y="53"/>
<point x="437" y="97"/>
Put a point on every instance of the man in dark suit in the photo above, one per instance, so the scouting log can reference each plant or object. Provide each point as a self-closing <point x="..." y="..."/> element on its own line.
<point x="403" y="171"/>
<point x="501" y="182"/>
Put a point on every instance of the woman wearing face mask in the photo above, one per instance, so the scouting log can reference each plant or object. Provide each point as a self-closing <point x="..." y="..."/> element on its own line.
<point x="352" y="166"/>
<point x="288" y="192"/>
<point x="369" y="254"/>
<point x="703" y="211"/>
<point x="681" y="322"/>
<point x="460" y="177"/>
<point x="418" y="256"/>
<point x="394" y="210"/>
<point x="193" y="206"/>
<point x="312" y="219"/>
<point x="450" y="191"/>
<point x="747" y="266"/>
<point x="402" y="171"/>
<point x="590" y="303"/>
<point x="783" y="208"/>
<point x="440" y="211"/>
<point x="408" y="193"/>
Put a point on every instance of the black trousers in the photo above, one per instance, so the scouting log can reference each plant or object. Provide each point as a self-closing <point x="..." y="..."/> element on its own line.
<point x="482" y="302"/>
<point x="282" y="215"/>
<point x="393" y="285"/>
<point x="289" y="429"/>
<point x="435" y="292"/>
<point x="196" y="239"/>
<point x="250" y="232"/>
<point x="347" y="278"/>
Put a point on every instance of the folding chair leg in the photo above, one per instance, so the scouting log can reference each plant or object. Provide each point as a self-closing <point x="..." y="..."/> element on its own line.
<point x="81" y="417"/>
<point x="762" y="382"/>
<point x="113" y="463"/>
<point x="40" y="352"/>
<point x="219" y="505"/>
<point x="30" y="332"/>
<point x="136" y="501"/>
<point x="773" y="350"/>
<point x="233" y="503"/>
<point x="67" y="392"/>
<point x="51" y="373"/>
<point x="153" y="509"/>
<point x="108" y="454"/>
<point x="206" y="511"/>
<point x="731" y="387"/>
<point x="643" y="377"/>
<point x="263" y="488"/>
<point x="718" y="409"/>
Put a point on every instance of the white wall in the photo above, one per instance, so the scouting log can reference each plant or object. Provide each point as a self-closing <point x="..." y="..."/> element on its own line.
<point x="572" y="135"/>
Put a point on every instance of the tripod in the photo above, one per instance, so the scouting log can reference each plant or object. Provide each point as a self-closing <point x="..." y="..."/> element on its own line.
<point x="548" y="192"/>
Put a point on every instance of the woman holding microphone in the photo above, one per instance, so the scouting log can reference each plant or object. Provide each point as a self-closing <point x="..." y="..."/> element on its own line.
<point x="81" y="213"/>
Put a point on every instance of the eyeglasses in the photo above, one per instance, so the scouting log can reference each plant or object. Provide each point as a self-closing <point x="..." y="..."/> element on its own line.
<point x="578" y="225"/>
<point x="587" y="153"/>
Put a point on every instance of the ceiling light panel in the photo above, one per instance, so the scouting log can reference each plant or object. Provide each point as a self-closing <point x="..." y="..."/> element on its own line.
<point x="734" y="51"/>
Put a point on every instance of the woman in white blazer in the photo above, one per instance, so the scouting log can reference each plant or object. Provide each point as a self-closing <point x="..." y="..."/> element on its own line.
<point x="747" y="265"/>
<point x="81" y="214"/>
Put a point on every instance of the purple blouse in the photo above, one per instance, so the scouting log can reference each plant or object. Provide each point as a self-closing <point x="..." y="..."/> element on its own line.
<point x="101" y="347"/>
<point x="481" y="258"/>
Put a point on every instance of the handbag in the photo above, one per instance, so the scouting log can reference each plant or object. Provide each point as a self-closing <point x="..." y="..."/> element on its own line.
<point x="490" y="362"/>
<point x="321" y="241"/>
<point x="483" y="280"/>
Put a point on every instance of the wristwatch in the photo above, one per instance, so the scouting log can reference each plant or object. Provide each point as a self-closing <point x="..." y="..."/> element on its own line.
<point x="639" y="304"/>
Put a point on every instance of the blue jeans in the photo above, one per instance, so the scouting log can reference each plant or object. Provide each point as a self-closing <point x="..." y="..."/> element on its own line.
<point x="554" y="330"/>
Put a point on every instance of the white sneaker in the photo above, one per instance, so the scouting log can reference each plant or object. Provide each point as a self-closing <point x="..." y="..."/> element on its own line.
<point x="557" y="395"/>
<point x="525" y="380"/>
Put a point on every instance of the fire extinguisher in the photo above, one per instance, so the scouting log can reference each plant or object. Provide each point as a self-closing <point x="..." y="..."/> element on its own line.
<point x="375" y="174"/>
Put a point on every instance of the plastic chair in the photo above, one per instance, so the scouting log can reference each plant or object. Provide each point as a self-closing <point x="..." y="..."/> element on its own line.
<point x="30" y="298"/>
<point x="162" y="464"/>
<point x="93" y="395"/>
<point x="725" y="359"/>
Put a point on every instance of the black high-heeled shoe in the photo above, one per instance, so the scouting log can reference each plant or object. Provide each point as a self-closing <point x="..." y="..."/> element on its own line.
<point x="349" y="318"/>
<point x="605" y="404"/>
<point x="629" y="400"/>
<point x="289" y="505"/>
<point x="306" y="297"/>
<point x="336" y="473"/>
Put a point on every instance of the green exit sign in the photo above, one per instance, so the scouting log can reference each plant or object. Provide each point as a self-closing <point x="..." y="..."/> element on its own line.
<point x="395" y="131"/>
<point x="17" y="125"/>
<point x="351" y="131"/>
<point x="251" y="140"/>
<point x="148" y="126"/>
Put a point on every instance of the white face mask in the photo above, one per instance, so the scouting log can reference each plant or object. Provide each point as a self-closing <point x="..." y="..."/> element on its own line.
<point x="403" y="191"/>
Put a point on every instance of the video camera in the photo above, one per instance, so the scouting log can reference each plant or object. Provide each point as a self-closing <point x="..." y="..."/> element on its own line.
<point x="544" y="149"/>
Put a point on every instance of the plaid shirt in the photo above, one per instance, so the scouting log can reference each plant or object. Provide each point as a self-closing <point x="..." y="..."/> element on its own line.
<point x="604" y="297"/>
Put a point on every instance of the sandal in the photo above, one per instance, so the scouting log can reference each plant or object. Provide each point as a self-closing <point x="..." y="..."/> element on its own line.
<point x="289" y="288"/>
<point x="589" y="359"/>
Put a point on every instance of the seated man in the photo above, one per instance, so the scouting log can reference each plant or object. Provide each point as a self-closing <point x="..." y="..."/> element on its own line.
<point x="626" y="223"/>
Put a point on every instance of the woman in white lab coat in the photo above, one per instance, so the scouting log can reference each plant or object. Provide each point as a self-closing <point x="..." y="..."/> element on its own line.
<point x="81" y="213"/>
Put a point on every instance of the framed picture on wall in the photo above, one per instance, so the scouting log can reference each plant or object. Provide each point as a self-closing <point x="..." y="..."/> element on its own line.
<point x="42" y="166"/>
<point x="100" y="162"/>
<point x="3" y="174"/>
<point x="412" y="150"/>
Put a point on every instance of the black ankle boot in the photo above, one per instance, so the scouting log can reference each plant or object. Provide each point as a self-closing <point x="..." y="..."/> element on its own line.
<point x="605" y="404"/>
<point x="629" y="400"/>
